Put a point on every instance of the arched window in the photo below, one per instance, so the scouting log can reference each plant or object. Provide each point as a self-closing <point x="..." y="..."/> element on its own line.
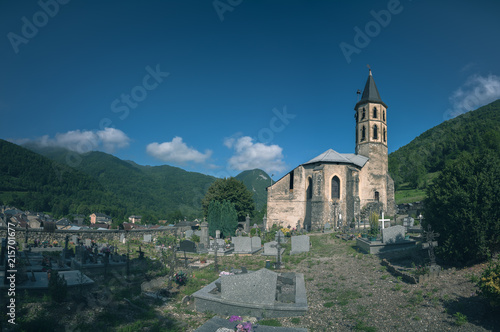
<point x="377" y="196"/>
<point x="335" y="187"/>
<point x="375" y="132"/>
<point x="385" y="135"/>
<point x="374" y="112"/>
<point x="309" y="191"/>
<point x="363" y="134"/>
<point x="383" y="115"/>
<point x="363" y="114"/>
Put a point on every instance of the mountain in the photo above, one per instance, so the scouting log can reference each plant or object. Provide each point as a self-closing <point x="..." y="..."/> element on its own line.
<point x="415" y="164"/>
<point x="256" y="181"/>
<point x="155" y="192"/>
<point x="32" y="182"/>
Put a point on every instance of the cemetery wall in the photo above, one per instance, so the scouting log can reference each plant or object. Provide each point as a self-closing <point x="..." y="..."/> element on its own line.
<point x="93" y="234"/>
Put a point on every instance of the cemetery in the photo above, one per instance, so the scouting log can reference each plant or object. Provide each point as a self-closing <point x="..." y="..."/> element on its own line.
<point x="282" y="280"/>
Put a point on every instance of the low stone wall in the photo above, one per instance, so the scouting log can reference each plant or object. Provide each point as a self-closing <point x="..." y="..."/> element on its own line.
<point x="112" y="235"/>
<point x="405" y="276"/>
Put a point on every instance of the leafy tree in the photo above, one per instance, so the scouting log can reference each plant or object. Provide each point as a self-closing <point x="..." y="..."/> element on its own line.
<point x="462" y="206"/>
<point x="233" y="191"/>
<point x="223" y="217"/>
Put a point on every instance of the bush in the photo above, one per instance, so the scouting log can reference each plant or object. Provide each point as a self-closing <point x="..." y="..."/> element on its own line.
<point x="462" y="206"/>
<point x="180" y="278"/>
<point x="374" y="230"/>
<point x="489" y="284"/>
<point x="58" y="287"/>
<point x="195" y="238"/>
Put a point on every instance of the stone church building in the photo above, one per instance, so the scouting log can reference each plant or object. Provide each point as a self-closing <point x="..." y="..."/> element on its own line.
<point x="339" y="188"/>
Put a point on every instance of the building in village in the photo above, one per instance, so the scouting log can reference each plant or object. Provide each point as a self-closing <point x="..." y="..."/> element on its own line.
<point x="340" y="188"/>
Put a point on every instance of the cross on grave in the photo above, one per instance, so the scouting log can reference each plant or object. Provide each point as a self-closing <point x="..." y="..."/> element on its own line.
<point x="278" y="247"/>
<point x="141" y="253"/>
<point x="383" y="221"/>
<point x="430" y="236"/>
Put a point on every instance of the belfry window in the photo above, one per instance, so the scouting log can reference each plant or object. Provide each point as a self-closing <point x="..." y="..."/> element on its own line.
<point x="375" y="132"/>
<point x="335" y="187"/>
<point x="374" y="112"/>
<point x="309" y="190"/>
<point x="385" y="135"/>
<point x="363" y="114"/>
<point x="363" y="134"/>
<point x="383" y="115"/>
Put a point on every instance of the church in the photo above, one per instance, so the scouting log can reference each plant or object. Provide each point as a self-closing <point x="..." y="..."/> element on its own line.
<point x="339" y="188"/>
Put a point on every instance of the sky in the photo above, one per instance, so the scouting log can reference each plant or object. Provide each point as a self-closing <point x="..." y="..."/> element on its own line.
<point x="222" y="86"/>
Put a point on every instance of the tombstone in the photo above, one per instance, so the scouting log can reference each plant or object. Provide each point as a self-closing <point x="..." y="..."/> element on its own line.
<point x="247" y="223"/>
<point x="256" y="243"/>
<point x="220" y="244"/>
<point x="264" y="222"/>
<point x="327" y="227"/>
<point x="202" y="249"/>
<point x="408" y="222"/>
<point x="74" y="239"/>
<point x="217" y="234"/>
<point x="187" y="246"/>
<point x="254" y="288"/>
<point x="242" y="244"/>
<point x="189" y="233"/>
<point x="147" y="238"/>
<point x="122" y="238"/>
<point x="88" y="242"/>
<point x="300" y="244"/>
<point x="204" y="239"/>
<point x="430" y="245"/>
<point x="393" y="234"/>
<point x="197" y="233"/>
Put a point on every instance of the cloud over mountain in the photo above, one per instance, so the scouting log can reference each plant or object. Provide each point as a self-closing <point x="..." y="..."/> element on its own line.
<point x="177" y="151"/>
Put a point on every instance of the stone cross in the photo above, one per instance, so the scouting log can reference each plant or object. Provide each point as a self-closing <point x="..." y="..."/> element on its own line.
<point x="278" y="247"/>
<point x="383" y="221"/>
<point x="216" y="249"/>
<point x="430" y="236"/>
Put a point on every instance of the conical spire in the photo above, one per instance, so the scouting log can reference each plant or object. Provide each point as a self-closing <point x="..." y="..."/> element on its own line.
<point x="370" y="93"/>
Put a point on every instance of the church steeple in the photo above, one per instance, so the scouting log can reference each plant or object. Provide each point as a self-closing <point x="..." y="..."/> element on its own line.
<point x="371" y="122"/>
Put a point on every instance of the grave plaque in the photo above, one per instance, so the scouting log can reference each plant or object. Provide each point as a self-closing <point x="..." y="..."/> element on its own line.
<point x="147" y="238"/>
<point x="88" y="242"/>
<point x="300" y="244"/>
<point x="393" y="234"/>
<point x="256" y="288"/>
<point x="187" y="246"/>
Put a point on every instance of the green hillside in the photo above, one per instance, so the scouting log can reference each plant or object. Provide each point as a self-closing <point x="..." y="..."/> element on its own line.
<point x="256" y="181"/>
<point x="155" y="192"/>
<point x="32" y="182"/>
<point x="416" y="164"/>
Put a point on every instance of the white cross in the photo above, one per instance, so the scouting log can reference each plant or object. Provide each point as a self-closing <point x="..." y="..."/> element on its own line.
<point x="383" y="220"/>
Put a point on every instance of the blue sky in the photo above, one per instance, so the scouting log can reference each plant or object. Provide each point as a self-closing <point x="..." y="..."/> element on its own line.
<point x="221" y="86"/>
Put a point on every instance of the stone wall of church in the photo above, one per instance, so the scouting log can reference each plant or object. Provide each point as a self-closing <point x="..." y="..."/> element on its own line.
<point x="373" y="176"/>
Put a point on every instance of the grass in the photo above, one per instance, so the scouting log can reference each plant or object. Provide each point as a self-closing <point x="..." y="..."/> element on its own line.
<point x="295" y="320"/>
<point x="460" y="319"/>
<point x="409" y="195"/>
<point x="270" y="322"/>
<point x="361" y="326"/>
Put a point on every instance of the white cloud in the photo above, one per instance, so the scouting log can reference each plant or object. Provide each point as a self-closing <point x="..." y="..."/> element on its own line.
<point x="250" y="155"/>
<point x="109" y="140"/>
<point x="177" y="151"/>
<point x="477" y="91"/>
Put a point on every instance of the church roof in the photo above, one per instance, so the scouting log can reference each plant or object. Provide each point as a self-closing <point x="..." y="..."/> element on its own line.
<point x="370" y="93"/>
<point x="332" y="156"/>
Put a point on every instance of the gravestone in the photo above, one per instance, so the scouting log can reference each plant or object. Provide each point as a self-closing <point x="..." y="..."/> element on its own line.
<point x="256" y="242"/>
<point x="217" y="234"/>
<point x="393" y="234"/>
<point x="254" y="288"/>
<point x="74" y="239"/>
<point x="247" y="223"/>
<point x="147" y="238"/>
<point x="197" y="233"/>
<point x="242" y="244"/>
<point x="408" y="222"/>
<point x="122" y="238"/>
<point x="88" y="242"/>
<point x="327" y="227"/>
<point x="202" y="249"/>
<point x="187" y="246"/>
<point x="300" y="244"/>
<point x="204" y="239"/>
<point x="189" y="233"/>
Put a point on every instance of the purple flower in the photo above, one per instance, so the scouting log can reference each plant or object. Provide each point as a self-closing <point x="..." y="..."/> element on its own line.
<point x="235" y="318"/>
<point x="247" y="326"/>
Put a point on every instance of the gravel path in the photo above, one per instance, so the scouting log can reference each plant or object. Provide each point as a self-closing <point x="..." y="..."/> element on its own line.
<point x="350" y="291"/>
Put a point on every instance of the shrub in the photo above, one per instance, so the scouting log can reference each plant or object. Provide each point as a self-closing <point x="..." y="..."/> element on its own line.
<point x="58" y="287"/>
<point x="489" y="284"/>
<point x="374" y="231"/>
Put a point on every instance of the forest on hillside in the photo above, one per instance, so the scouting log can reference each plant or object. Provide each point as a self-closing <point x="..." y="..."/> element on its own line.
<point x="412" y="165"/>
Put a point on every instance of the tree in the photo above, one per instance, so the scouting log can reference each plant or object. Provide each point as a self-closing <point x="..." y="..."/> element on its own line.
<point x="233" y="191"/>
<point x="223" y="217"/>
<point x="462" y="206"/>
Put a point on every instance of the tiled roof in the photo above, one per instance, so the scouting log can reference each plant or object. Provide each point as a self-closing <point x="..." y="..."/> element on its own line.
<point x="332" y="156"/>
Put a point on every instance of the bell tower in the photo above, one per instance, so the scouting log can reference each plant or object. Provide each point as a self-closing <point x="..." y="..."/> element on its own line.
<point x="371" y="142"/>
